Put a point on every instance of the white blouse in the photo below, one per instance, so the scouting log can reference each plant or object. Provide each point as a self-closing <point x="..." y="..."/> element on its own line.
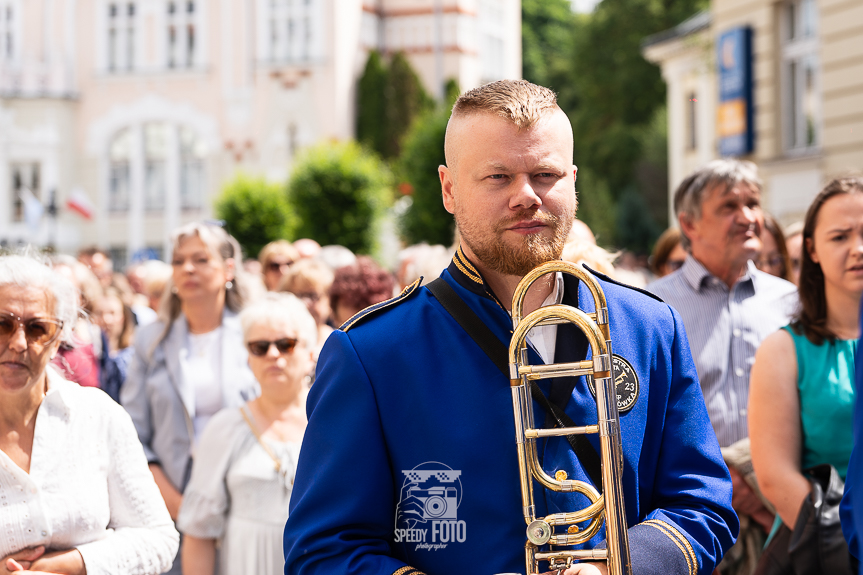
<point x="89" y="488"/>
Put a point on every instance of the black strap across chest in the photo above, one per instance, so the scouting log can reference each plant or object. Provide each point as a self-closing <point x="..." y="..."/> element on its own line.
<point x="497" y="353"/>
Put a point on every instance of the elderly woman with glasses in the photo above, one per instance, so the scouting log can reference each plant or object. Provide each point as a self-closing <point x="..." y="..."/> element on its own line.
<point x="75" y="492"/>
<point x="245" y="462"/>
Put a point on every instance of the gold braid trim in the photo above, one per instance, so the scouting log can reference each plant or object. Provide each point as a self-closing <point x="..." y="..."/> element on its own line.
<point x="380" y="305"/>
<point x="682" y="543"/>
<point x="467" y="261"/>
<point x="407" y="570"/>
<point x="466" y="267"/>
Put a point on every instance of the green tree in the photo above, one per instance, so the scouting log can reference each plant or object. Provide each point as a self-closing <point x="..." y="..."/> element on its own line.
<point x="389" y="99"/>
<point x="546" y="38"/>
<point x="372" y="104"/>
<point x="255" y="211"/>
<point x="339" y="192"/>
<point x="426" y="220"/>
<point x="596" y="207"/>
<point x="636" y="230"/>
<point x="612" y="95"/>
<point x="406" y="100"/>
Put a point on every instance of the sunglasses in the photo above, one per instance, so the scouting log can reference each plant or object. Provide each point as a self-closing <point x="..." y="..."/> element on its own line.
<point x="261" y="348"/>
<point x="277" y="266"/>
<point x="37" y="330"/>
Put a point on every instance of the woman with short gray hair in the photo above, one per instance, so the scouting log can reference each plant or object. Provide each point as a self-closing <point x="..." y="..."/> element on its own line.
<point x="77" y="495"/>
<point x="246" y="460"/>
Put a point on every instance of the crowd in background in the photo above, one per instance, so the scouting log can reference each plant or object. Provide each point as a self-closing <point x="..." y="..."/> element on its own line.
<point x="211" y="355"/>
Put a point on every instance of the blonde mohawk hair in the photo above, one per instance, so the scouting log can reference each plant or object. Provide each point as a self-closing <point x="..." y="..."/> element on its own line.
<point x="518" y="101"/>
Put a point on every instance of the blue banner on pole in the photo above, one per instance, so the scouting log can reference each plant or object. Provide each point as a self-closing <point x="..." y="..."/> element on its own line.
<point x="735" y="125"/>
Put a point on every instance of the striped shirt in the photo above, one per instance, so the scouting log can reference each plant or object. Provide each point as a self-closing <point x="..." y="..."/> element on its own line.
<point x="725" y="327"/>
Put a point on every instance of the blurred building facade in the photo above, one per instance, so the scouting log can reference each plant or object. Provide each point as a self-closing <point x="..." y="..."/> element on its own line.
<point x="807" y="92"/>
<point x="136" y="112"/>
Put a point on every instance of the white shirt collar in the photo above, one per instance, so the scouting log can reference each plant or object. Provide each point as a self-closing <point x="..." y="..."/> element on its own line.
<point x="58" y="387"/>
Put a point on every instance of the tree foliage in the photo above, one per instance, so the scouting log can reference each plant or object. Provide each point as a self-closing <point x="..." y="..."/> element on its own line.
<point x="372" y="104"/>
<point x="611" y="93"/>
<point x="255" y="211"/>
<point x="426" y="220"/>
<point x="389" y="98"/>
<point x="406" y="101"/>
<point x="596" y="207"/>
<point x="339" y="192"/>
<point x="546" y="33"/>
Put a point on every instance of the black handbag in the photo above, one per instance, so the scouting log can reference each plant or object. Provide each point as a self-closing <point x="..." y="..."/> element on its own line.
<point x="816" y="545"/>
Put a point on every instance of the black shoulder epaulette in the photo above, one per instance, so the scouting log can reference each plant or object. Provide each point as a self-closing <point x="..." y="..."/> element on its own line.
<point x="368" y="312"/>
<point x="614" y="281"/>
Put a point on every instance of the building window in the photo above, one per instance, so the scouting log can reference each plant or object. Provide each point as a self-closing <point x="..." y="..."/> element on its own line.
<point x="192" y="151"/>
<point x="120" y="171"/>
<point x="7" y="32"/>
<point x="293" y="30"/>
<point x="182" y="39"/>
<point x="25" y="178"/>
<point x="691" y="122"/>
<point x="121" y="36"/>
<point x="155" y="165"/>
<point x="801" y="72"/>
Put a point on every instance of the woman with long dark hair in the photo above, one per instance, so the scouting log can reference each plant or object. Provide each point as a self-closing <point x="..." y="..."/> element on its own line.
<point x="802" y="386"/>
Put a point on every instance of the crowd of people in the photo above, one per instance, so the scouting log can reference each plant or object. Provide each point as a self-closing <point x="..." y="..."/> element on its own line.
<point x="187" y="463"/>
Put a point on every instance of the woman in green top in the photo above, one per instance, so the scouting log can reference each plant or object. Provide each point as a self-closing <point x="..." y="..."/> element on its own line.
<point x="801" y="394"/>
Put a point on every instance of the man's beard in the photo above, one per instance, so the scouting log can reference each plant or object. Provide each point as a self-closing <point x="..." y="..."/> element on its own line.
<point x="533" y="250"/>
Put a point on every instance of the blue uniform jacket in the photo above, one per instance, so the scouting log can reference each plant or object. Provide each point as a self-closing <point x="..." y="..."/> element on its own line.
<point x="851" y="509"/>
<point x="409" y="462"/>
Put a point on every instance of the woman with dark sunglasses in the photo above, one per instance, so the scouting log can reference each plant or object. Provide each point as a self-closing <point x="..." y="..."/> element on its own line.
<point x="244" y="467"/>
<point x="76" y="495"/>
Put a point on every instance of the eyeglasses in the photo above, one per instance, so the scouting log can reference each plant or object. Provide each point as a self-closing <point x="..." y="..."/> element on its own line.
<point x="277" y="266"/>
<point x="310" y="296"/>
<point x="261" y="348"/>
<point x="771" y="262"/>
<point x="674" y="265"/>
<point x="37" y="330"/>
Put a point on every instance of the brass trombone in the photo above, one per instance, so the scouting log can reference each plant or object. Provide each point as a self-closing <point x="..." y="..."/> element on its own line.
<point x="542" y="531"/>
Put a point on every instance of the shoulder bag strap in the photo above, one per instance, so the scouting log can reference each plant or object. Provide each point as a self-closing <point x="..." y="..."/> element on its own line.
<point x="497" y="353"/>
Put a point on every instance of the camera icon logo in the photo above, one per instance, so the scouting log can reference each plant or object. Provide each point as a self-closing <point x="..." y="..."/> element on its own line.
<point x="438" y="502"/>
<point x="431" y="491"/>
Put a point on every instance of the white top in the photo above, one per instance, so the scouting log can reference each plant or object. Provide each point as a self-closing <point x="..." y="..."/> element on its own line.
<point x="235" y="495"/>
<point x="543" y="339"/>
<point x="204" y="374"/>
<point x="89" y="488"/>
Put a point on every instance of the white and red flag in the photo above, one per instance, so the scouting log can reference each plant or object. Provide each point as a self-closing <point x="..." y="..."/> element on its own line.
<point x="79" y="202"/>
